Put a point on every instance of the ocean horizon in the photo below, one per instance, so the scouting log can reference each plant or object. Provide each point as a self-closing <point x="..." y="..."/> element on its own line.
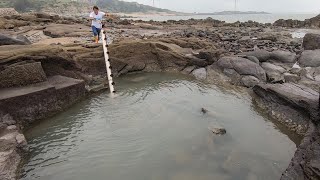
<point x="230" y="18"/>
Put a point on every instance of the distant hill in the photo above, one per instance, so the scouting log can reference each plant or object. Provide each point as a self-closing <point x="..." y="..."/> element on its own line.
<point x="128" y="7"/>
<point x="78" y="6"/>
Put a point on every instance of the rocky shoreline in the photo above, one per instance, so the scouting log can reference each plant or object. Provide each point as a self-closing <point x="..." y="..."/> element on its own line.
<point x="52" y="64"/>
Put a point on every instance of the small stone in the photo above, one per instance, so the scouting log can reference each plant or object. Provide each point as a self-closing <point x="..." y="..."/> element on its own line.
<point x="21" y="140"/>
<point x="8" y="120"/>
<point x="12" y="127"/>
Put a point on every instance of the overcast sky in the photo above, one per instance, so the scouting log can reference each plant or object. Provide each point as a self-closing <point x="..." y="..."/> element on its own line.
<point x="276" y="6"/>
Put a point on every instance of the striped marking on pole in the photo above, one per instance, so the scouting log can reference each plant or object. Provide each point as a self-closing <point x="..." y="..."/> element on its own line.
<point x="107" y="60"/>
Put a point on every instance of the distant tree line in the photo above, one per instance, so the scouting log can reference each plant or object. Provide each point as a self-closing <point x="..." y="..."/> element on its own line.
<point x="128" y="7"/>
<point x="110" y="5"/>
<point x="24" y="5"/>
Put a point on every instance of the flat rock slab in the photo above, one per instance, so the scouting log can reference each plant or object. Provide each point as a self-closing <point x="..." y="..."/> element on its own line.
<point x="290" y="94"/>
<point x="66" y="30"/>
<point x="60" y="82"/>
<point x="53" y="83"/>
<point x="8" y="93"/>
<point x="29" y="103"/>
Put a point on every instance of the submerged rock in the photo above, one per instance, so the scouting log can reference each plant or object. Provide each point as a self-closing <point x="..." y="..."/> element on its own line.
<point x="217" y="129"/>
<point x="204" y="111"/>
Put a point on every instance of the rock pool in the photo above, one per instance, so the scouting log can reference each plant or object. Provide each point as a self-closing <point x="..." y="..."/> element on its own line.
<point x="154" y="129"/>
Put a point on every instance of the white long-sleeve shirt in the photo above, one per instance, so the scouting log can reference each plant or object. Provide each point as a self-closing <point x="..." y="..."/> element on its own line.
<point x="96" y="22"/>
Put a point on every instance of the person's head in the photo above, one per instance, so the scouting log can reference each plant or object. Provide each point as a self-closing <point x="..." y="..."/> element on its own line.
<point x="95" y="9"/>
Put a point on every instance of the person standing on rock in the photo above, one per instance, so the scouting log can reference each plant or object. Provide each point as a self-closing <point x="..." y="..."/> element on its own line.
<point x="96" y="16"/>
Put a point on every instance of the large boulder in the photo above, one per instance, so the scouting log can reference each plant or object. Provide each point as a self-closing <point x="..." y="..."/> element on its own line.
<point x="242" y="66"/>
<point x="310" y="58"/>
<point x="6" y="40"/>
<point x="311" y="41"/>
<point x="283" y="56"/>
<point x="262" y="55"/>
<point x="274" y="72"/>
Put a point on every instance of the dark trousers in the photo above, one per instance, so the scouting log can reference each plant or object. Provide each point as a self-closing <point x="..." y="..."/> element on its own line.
<point x="96" y="31"/>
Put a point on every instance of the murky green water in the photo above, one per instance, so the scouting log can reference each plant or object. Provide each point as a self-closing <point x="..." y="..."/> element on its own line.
<point x="154" y="130"/>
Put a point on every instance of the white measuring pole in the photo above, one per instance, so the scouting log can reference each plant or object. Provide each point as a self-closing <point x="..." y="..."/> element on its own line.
<point x="107" y="60"/>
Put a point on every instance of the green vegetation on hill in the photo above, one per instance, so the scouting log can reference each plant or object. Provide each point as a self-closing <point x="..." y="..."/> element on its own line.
<point x="23" y="5"/>
<point x="127" y="7"/>
<point x="110" y="5"/>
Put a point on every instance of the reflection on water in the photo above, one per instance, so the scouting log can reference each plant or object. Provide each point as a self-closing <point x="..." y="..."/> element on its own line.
<point x="154" y="129"/>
